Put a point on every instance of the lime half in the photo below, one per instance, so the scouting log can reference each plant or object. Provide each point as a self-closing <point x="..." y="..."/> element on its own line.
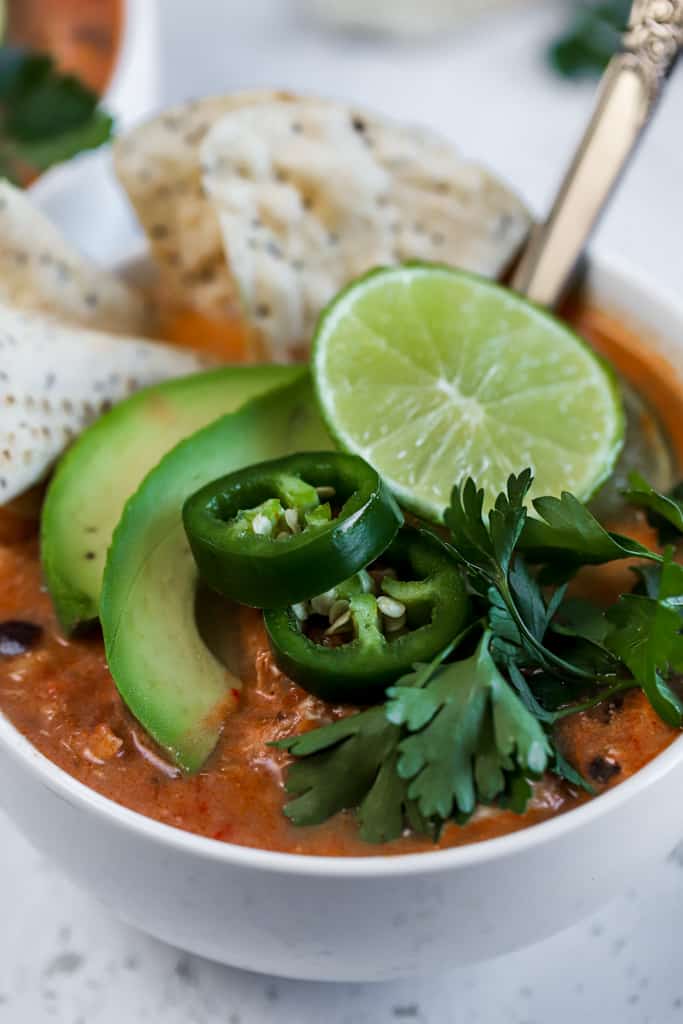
<point x="433" y="375"/>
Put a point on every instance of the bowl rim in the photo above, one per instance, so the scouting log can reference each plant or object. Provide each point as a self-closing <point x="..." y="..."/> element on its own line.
<point x="634" y="286"/>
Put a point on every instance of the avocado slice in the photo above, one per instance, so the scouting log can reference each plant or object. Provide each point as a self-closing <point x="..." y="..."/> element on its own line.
<point x="104" y="467"/>
<point x="164" y="671"/>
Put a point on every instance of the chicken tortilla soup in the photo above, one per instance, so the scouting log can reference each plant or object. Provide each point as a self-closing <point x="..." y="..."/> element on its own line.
<point x="372" y="556"/>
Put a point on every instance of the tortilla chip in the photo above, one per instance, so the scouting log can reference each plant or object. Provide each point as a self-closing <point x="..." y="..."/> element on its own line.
<point x="312" y="194"/>
<point x="158" y="165"/>
<point x="56" y="379"/>
<point x="41" y="271"/>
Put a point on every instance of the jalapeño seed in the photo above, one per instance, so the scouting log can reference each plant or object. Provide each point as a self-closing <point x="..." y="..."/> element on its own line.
<point x="390" y="608"/>
<point x="342" y="623"/>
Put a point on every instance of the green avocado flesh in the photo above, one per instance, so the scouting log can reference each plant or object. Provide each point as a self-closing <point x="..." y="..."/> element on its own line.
<point x="164" y="671"/>
<point x="105" y="466"/>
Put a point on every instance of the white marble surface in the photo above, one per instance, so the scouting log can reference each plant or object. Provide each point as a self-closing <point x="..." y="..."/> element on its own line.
<point x="62" y="958"/>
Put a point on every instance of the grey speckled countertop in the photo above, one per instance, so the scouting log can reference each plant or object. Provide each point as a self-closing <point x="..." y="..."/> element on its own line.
<point x="65" y="960"/>
<point x="62" y="958"/>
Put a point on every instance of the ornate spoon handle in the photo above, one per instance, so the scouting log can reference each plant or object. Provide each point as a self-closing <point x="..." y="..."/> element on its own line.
<point x="628" y="94"/>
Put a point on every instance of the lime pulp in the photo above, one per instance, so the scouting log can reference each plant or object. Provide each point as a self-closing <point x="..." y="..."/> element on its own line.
<point x="433" y="375"/>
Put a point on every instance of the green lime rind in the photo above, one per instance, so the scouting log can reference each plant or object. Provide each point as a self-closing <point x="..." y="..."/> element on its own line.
<point x="433" y="374"/>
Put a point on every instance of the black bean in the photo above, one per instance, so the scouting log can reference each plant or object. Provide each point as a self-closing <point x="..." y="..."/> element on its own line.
<point x="17" y="637"/>
<point x="602" y="769"/>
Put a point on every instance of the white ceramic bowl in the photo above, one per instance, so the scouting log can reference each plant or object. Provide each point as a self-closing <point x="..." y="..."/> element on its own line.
<point x="355" y="918"/>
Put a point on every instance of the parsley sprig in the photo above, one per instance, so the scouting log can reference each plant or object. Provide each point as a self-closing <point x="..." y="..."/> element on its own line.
<point x="476" y="727"/>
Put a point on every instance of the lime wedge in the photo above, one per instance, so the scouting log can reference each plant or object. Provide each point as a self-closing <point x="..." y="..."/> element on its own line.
<point x="433" y="375"/>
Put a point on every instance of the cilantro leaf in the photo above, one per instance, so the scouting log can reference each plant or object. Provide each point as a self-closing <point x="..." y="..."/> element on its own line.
<point x="45" y="116"/>
<point x="453" y="734"/>
<point x="448" y="737"/>
<point x="646" y="636"/>
<point x="487" y="551"/>
<point x="571" y="669"/>
<point x="338" y="766"/>
<point x="41" y="101"/>
<point x="507" y="518"/>
<point x="519" y="615"/>
<point x="387" y="808"/>
<point x="670" y="581"/>
<point x="579" y="618"/>
<point x="591" y="39"/>
<point x="468" y="731"/>
<point x="580" y="629"/>
<point x="568" y="535"/>
<point x="649" y="578"/>
<point x="44" y="153"/>
<point x="527" y="695"/>
<point x="568" y="772"/>
<point x="665" y="512"/>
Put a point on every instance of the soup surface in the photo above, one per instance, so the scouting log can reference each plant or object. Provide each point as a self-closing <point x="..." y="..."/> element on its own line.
<point x="59" y="694"/>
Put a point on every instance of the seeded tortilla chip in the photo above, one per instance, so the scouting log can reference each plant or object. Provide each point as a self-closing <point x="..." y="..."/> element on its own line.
<point x="56" y="379"/>
<point x="41" y="271"/>
<point x="311" y="194"/>
<point x="158" y="165"/>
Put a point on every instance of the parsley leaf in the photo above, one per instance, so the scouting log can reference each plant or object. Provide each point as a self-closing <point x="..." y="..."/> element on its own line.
<point x="468" y="732"/>
<point x="45" y="116"/>
<point x="665" y="512"/>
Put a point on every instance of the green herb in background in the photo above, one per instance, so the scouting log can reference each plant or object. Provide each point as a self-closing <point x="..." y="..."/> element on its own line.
<point x="591" y="39"/>
<point x="45" y="115"/>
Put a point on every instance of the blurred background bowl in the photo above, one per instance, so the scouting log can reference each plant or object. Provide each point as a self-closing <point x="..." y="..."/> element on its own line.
<point x="407" y="18"/>
<point x="112" y="46"/>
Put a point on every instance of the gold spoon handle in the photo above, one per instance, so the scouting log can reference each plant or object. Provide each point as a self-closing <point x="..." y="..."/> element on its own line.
<point x="628" y="94"/>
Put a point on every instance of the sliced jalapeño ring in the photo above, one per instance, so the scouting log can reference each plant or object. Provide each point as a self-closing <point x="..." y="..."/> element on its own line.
<point x="282" y="531"/>
<point x="419" y="588"/>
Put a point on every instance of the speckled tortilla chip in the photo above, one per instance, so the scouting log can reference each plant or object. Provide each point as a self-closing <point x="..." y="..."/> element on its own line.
<point x="56" y="379"/>
<point x="158" y="165"/>
<point x="41" y="271"/>
<point x="311" y="194"/>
